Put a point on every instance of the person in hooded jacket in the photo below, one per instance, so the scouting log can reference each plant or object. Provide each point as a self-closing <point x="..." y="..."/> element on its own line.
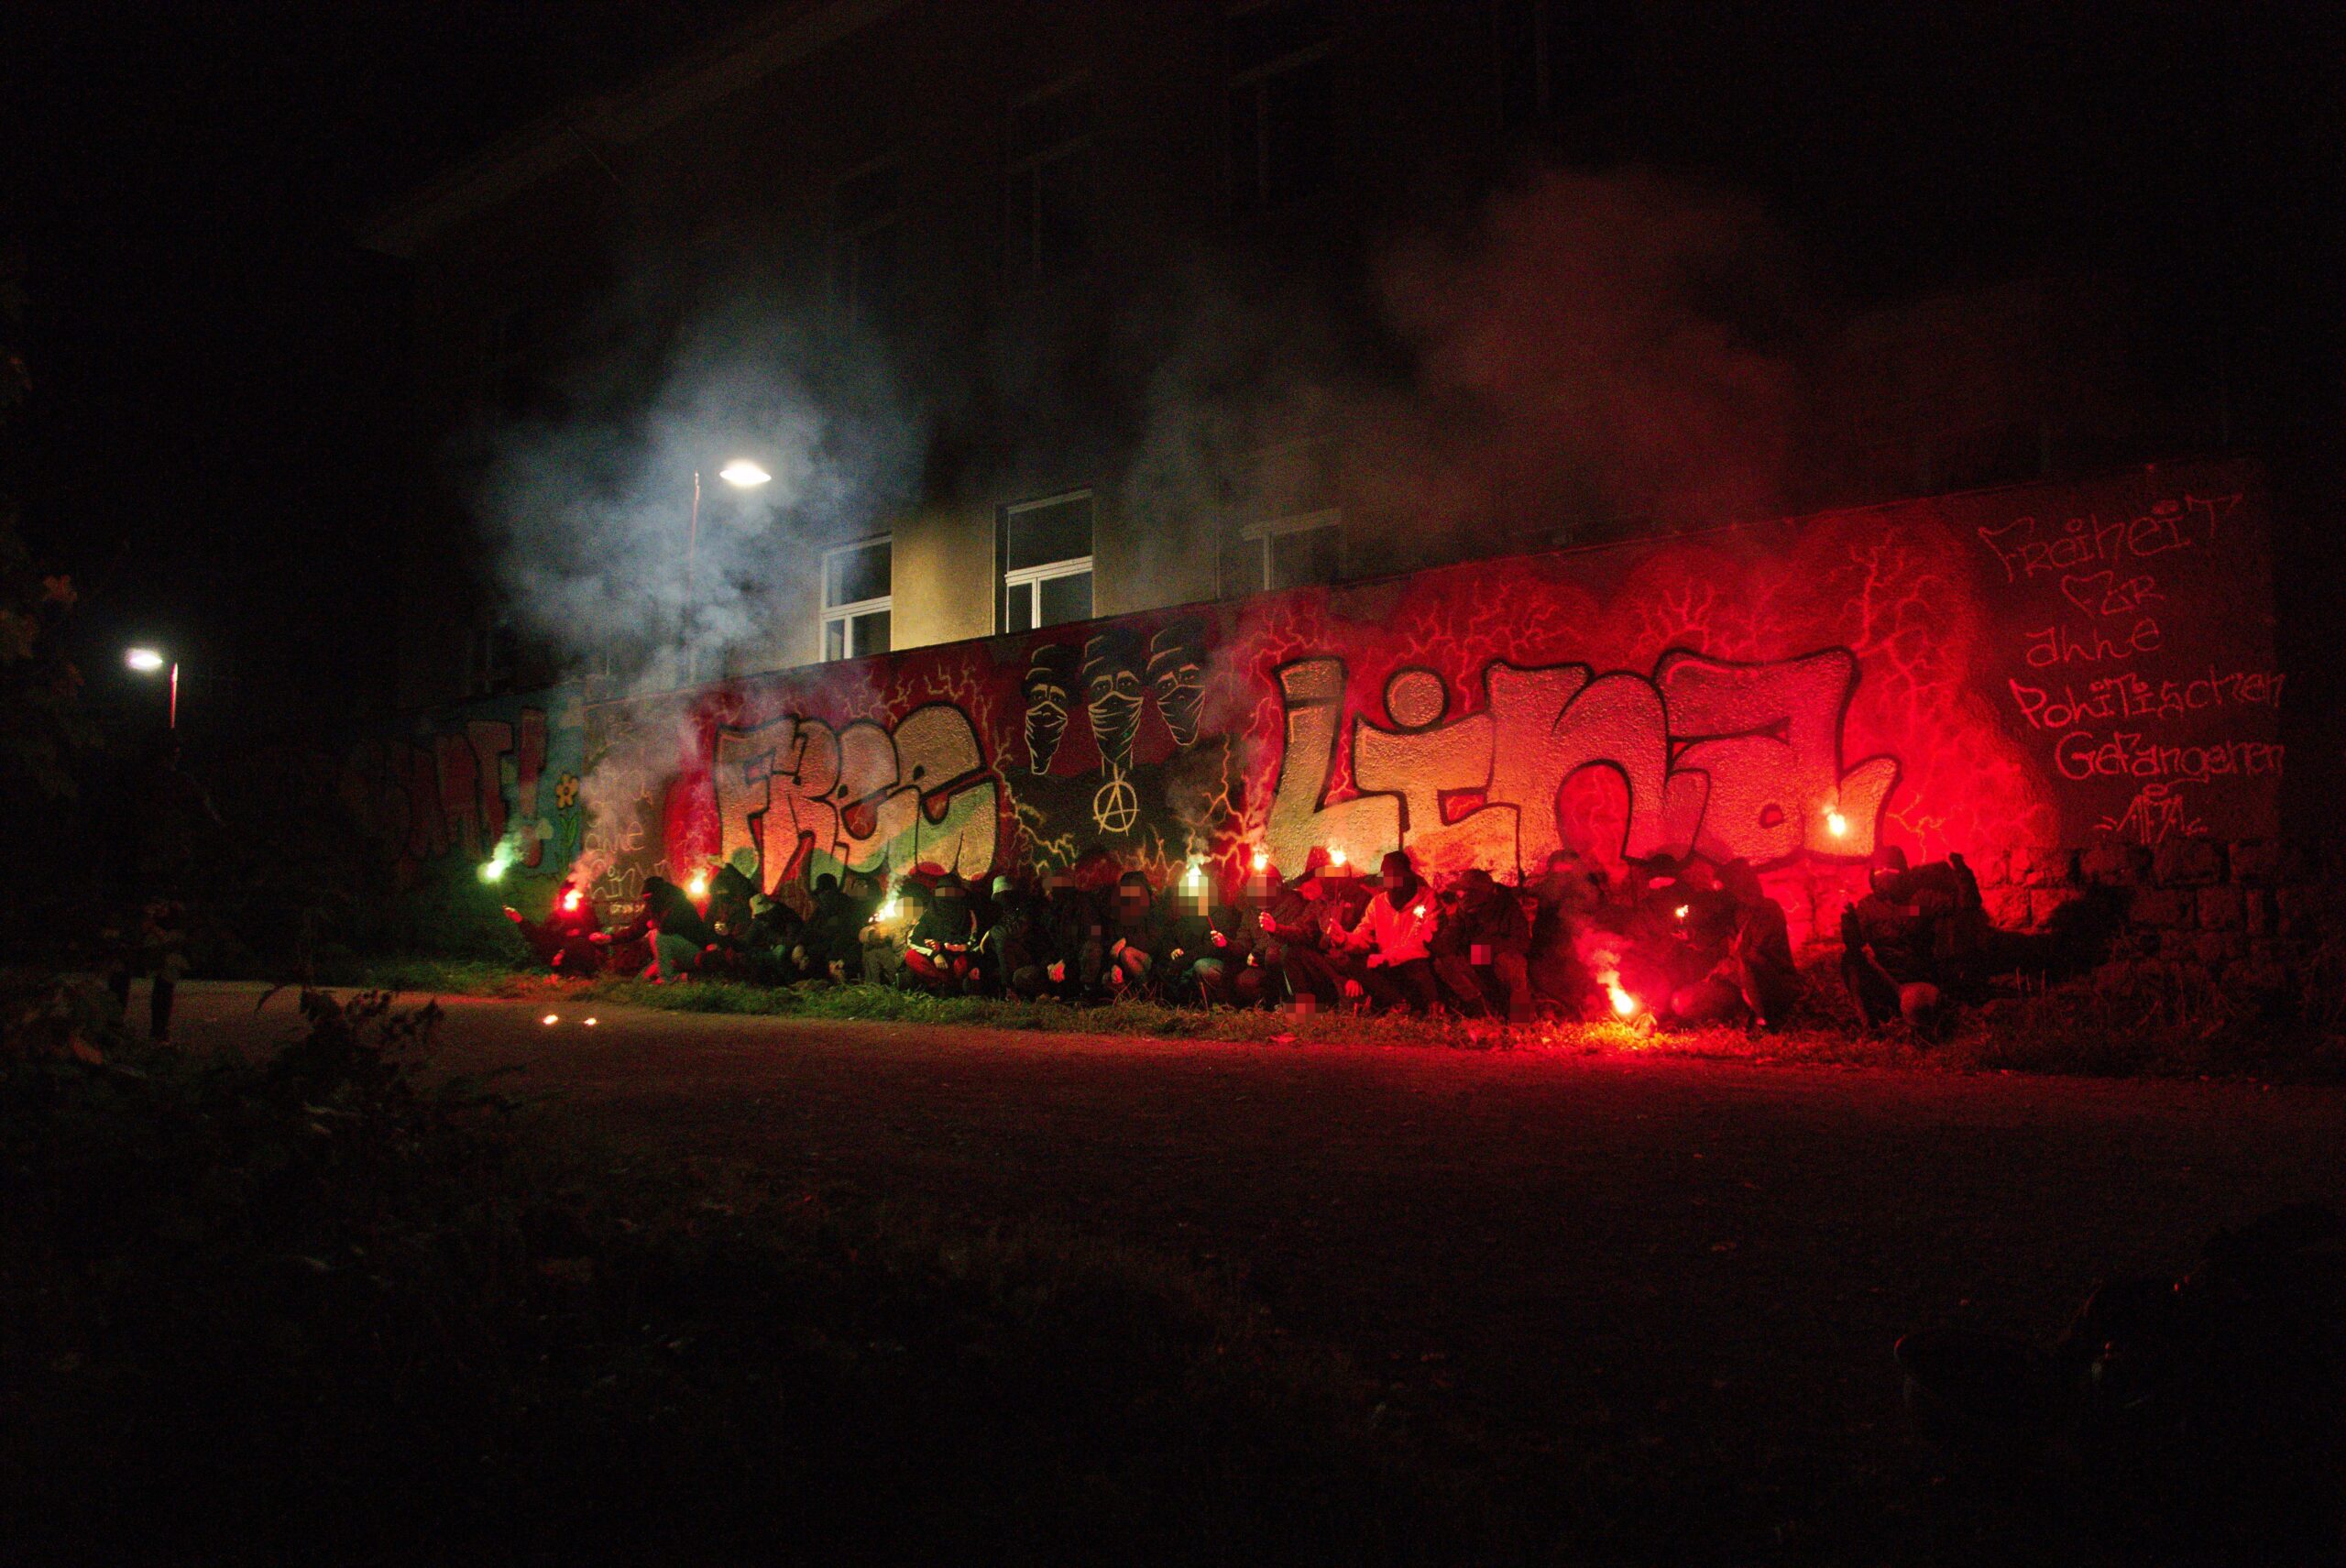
<point x="674" y="930"/>
<point x="1294" y="927"/>
<point x="1480" y="949"/>
<point x="1393" y="939"/>
<point x="886" y="938"/>
<point x="1136" y="938"/>
<point x="1211" y="961"/>
<point x="1567" y="897"/>
<point x="1889" y="944"/>
<point x="941" y="955"/>
<point x="829" y="944"/>
<point x="1013" y="949"/>
<point x="1074" y="943"/>
<point x="570" y="940"/>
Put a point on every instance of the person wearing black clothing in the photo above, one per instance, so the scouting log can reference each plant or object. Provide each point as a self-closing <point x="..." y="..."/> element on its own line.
<point x="1887" y="939"/>
<point x="941" y="956"/>
<point x="1014" y="949"/>
<point x="829" y="944"/>
<point x="570" y="940"/>
<point x="1075" y="941"/>
<point x="1568" y="897"/>
<point x="674" y="928"/>
<point x="1480" y="949"/>
<point x="1294" y="926"/>
<point x="1136" y="937"/>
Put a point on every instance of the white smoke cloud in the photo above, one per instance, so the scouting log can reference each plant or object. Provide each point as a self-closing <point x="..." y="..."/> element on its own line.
<point x="588" y="512"/>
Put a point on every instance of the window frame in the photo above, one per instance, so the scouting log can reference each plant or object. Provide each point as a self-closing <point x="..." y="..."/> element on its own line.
<point x="1022" y="180"/>
<point x="1326" y="519"/>
<point x="852" y="301"/>
<point x="847" y="613"/>
<point x="1031" y="578"/>
<point x="1250" y="185"/>
<point x="492" y="655"/>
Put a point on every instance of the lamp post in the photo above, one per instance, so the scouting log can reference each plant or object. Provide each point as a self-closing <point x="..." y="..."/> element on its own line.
<point x="742" y="474"/>
<point x="147" y="661"/>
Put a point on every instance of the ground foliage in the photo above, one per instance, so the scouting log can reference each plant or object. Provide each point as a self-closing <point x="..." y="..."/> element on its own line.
<point x="310" y="1307"/>
<point x="2124" y="1020"/>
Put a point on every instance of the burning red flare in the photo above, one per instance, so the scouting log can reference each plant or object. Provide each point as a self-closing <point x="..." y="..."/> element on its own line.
<point x="570" y="901"/>
<point x="1622" y="1003"/>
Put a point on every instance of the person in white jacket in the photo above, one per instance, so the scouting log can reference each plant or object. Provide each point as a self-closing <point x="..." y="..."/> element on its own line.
<point x="1395" y="937"/>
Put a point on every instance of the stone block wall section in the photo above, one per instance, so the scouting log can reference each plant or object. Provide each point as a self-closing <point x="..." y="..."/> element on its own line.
<point x="2250" y="911"/>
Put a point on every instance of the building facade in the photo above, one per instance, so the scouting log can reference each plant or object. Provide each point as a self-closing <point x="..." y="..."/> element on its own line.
<point x="1138" y="282"/>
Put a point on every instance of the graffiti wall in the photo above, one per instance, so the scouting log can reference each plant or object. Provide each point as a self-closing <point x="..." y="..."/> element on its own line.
<point x="2038" y="666"/>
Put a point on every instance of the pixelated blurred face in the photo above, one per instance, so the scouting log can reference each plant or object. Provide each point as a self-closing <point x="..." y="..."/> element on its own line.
<point x="1395" y="880"/>
<point x="1131" y="903"/>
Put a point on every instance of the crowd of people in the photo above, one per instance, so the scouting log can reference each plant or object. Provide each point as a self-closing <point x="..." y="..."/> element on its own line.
<point x="1677" y="941"/>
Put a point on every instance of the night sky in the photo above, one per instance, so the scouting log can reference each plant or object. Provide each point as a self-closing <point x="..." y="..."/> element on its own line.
<point x="213" y="446"/>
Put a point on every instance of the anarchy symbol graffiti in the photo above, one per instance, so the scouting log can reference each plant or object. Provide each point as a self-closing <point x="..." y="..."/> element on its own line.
<point x="1115" y="806"/>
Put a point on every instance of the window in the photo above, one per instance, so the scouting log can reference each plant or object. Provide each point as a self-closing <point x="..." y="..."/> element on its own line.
<point x="1285" y="553"/>
<point x="1552" y="56"/>
<point x="490" y="657"/>
<point x="1046" y="184"/>
<point x="1047" y="562"/>
<point x="867" y="242"/>
<point x="1282" y="101"/>
<point x="856" y="600"/>
<point x="500" y="384"/>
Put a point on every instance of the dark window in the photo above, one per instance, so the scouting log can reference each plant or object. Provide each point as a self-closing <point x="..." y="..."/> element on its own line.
<point x="1555" y="56"/>
<point x="867" y="243"/>
<point x="509" y="346"/>
<point x="1045" y="561"/>
<point x="857" y="605"/>
<point x="1282" y="101"/>
<point x="1289" y="554"/>
<point x="491" y="657"/>
<point x="1046" y="184"/>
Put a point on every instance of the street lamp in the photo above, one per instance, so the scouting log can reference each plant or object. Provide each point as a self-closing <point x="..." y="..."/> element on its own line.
<point x="742" y="474"/>
<point x="147" y="661"/>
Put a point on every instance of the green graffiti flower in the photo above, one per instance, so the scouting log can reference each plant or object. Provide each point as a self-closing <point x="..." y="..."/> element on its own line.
<point x="565" y="791"/>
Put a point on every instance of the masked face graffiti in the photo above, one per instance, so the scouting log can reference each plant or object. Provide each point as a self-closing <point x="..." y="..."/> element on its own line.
<point x="1049" y="689"/>
<point x="1176" y="674"/>
<point x="1112" y="687"/>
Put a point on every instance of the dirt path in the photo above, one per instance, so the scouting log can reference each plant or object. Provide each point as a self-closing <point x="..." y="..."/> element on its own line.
<point x="1681" y="1254"/>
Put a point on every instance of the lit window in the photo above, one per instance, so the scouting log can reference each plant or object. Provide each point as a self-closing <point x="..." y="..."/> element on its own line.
<point x="1047" y="562"/>
<point x="1046" y="184"/>
<point x="1285" y="553"/>
<point x="867" y="242"/>
<point x="856" y="599"/>
<point x="1282" y="101"/>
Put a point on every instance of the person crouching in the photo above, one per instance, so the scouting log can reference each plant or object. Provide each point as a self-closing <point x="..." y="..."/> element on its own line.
<point x="942" y="956"/>
<point x="1393" y="939"/>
